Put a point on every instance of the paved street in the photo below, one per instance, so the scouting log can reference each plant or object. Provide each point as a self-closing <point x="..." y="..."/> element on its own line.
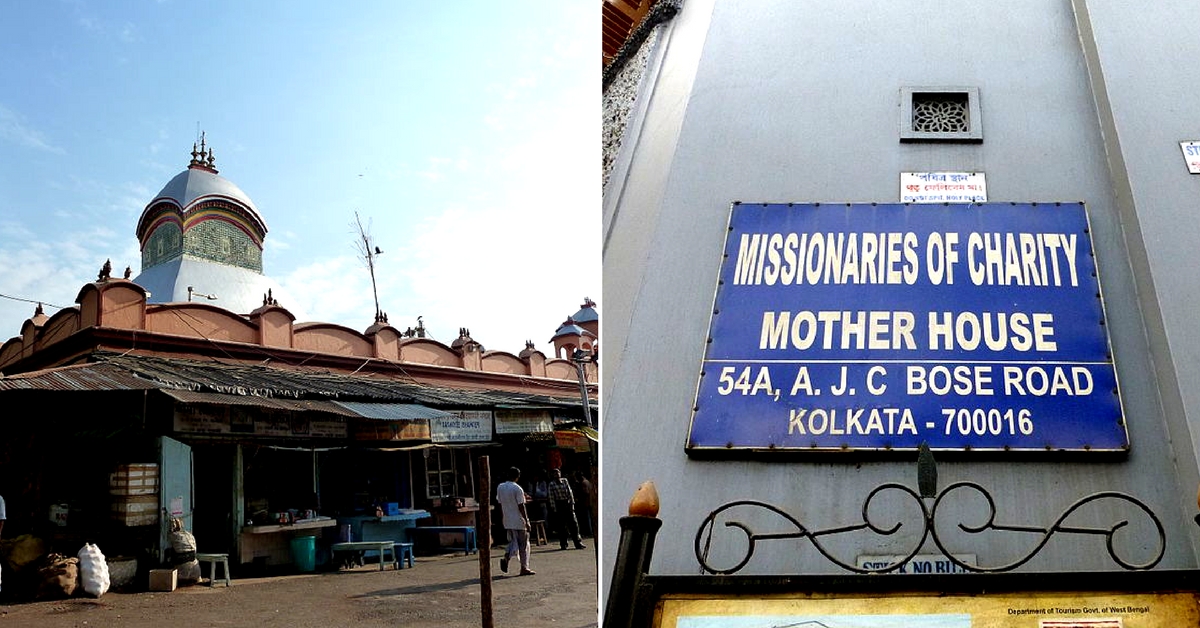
<point x="439" y="591"/>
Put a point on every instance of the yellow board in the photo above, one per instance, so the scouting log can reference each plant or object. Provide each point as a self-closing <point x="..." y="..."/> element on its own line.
<point x="1018" y="610"/>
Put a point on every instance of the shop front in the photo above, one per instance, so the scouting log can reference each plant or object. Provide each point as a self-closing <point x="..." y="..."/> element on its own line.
<point x="336" y="471"/>
<point x="254" y="461"/>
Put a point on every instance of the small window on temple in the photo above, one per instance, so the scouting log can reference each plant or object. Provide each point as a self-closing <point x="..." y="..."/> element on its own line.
<point x="940" y="114"/>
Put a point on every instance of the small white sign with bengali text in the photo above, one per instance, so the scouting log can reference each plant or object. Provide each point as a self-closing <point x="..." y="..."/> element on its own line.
<point x="943" y="187"/>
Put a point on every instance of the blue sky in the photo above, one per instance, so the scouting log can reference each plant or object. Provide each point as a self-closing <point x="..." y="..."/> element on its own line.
<point x="465" y="133"/>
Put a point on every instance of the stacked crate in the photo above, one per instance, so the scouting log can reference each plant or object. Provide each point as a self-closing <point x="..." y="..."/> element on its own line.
<point x="134" y="488"/>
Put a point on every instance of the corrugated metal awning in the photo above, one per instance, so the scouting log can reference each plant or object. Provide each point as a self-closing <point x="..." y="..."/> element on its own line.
<point x="78" y="377"/>
<point x="393" y="411"/>
<point x="255" y="383"/>
<point x="352" y="409"/>
<point x="301" y="405"/>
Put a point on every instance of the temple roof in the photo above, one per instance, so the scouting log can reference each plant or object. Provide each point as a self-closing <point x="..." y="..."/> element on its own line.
<point x="569" y="328"/>
<point x="198" y="183"/>
<point x="587" y="312"/>
<point x="193" y="184"/>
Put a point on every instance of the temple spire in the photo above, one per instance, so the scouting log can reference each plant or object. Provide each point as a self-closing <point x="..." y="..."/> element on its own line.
<point x="203" y="157"/>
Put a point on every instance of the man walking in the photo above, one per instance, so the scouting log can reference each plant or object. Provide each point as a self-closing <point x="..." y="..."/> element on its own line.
<point x="562" y="503"/>
<point x="516" y="521"/>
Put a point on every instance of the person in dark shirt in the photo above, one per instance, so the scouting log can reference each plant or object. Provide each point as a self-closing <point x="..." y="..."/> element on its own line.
<point x="562" y="504"/>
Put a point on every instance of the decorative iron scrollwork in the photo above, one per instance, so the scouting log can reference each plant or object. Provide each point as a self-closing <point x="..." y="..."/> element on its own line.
<point x="929" y="529"/>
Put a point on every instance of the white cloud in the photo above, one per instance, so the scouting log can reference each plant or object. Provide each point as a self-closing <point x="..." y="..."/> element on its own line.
<point x="512" y="254"/>
<point x="333" y="290"/>
<point x="14" y="129"/>
<point x="437" y="168"/>
<point x="53" y="270"/>
<point x="128" y="33"/>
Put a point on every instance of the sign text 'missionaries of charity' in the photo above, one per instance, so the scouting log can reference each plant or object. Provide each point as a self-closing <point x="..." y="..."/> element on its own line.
<point x="875" y="327"/>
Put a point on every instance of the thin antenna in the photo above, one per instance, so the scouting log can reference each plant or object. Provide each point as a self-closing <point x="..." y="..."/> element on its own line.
<point x="369" y="251"/>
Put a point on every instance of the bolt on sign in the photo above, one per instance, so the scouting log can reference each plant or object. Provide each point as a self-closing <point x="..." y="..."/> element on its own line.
<point x="854" y="327"/>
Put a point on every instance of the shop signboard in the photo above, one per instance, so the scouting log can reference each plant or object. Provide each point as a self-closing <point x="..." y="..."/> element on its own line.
<point x="241" y="419"/>
<point x="273" y="423"/>
<point x="202" y="419"/>
<point x="372" y="429"/>
<point x="467" y="426"/>
<point x="850" y="327"/>
<point x="252" y="421"/>
<point x="523" y="421"/>
<point x="576" y="441"/>
<point x="327" y="428"/>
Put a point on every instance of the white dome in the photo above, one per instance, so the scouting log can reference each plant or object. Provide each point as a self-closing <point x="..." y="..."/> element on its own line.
<point x="197" y="184"/>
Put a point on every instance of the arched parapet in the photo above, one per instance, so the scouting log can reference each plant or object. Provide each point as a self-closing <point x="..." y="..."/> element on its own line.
<point x="56" y="328"/>
<point x="503" y="362"/>
<point x="471" y="357"/>
<point x="11" y="351"/>
<point x="29" y="336"/>
<point x="469" y="350"/>
<point x="591" y="372"/>
<point x="535" y="361"/>
<point x="274" y="325"/>
<point x="115" y="303"/>
<point x="38" y="332"/>
<point x="386" y="340"/>
<point x="561" y="369"/>
<point x="428" y="351"/>
<point x="333" y="339"/>
<point x="199" y="320"/>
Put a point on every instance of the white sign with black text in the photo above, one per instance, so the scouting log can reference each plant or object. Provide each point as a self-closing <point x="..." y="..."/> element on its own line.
<point x="467" y="426"/>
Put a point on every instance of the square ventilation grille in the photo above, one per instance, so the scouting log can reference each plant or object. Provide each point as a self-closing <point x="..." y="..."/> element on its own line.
<point x="940" y="114"/>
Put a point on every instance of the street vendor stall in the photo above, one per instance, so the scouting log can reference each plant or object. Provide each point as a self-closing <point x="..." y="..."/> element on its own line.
<point x="271" y="544"/>
<point x="389" y="527"/>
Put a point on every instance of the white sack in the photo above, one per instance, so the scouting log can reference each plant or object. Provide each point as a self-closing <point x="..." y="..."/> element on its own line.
<point x="184" y="542"/>
<point x="93" y="571"/>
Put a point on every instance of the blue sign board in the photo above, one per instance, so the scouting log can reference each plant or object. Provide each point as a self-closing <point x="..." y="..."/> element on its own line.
<point x="855" y="327"/>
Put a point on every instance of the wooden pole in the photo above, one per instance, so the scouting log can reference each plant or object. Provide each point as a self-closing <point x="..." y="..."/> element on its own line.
<point x="483" y="538"/>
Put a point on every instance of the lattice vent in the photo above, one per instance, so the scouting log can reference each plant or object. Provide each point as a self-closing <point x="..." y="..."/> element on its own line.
<point x="940" y="113"/>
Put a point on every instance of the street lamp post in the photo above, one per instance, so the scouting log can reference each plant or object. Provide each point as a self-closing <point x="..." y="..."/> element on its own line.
<point x="580" y="358"/>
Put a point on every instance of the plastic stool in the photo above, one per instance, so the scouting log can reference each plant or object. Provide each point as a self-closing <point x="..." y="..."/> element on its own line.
<point x="213" y="560"/>
<point x="538" y="528"/>
<point x="402" y="551"/>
